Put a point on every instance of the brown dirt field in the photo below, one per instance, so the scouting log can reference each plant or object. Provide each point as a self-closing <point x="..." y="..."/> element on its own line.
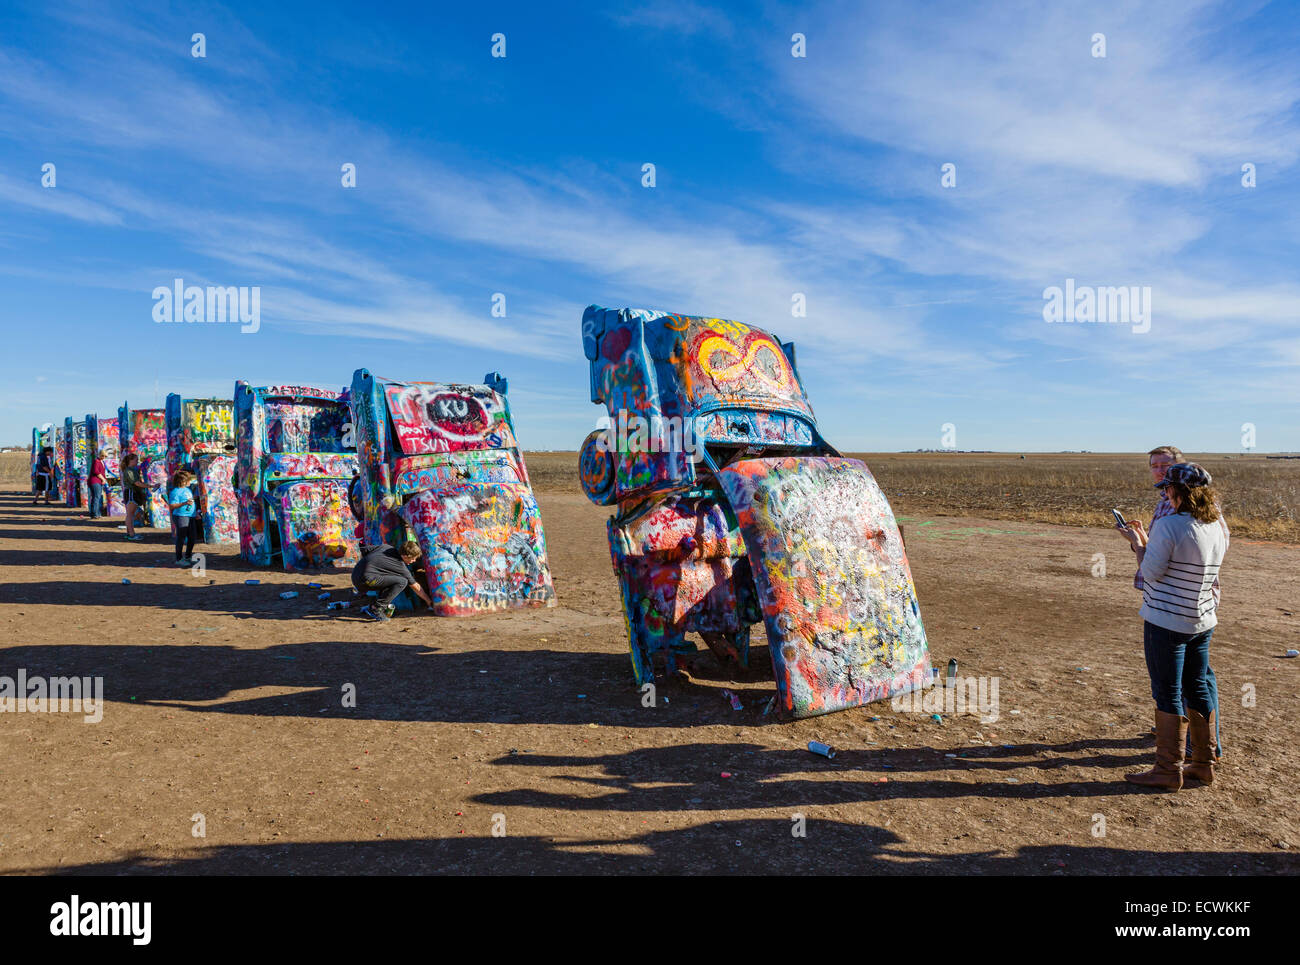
<point x="1260" y="495"/>
<point x="223" y="700"/>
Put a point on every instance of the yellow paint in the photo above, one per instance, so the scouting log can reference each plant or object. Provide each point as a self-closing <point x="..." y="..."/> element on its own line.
<point x="726" y="373"/>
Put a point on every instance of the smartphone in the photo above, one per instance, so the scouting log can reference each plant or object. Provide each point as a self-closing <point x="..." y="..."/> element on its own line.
<point x="1120" y="521"/>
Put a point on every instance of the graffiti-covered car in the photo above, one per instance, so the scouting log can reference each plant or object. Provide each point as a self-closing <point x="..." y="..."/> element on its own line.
<point x="295" y="459"/>
<point x="60" y="459"/>
<point x="76" y="464"/>
<point x="102" y="436"/>
<point x="731" y="508"/>
<point x="441" y="465"/>
<point x="201" y="438"/>
<point x="144" y="432"/>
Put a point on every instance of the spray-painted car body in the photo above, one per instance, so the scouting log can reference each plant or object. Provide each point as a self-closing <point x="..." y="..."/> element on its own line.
<point x="732" y="509"/>
<point x="60" y="458"/>
<point x="144" y="432"/>
<point x="43" y="438"/>
<point x="441" y="464"/>
<point x="76" y="464"/>
<point x="295" y="459"/>
<point x="201" y="438"/>
<point x="102" y="436"/>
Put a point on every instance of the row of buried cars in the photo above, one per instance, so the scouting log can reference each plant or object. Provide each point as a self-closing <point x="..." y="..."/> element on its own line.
<point x="729" y="508"/>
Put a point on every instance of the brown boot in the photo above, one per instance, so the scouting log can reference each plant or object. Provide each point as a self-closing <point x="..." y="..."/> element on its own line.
<point x="1205" y="750"/>
<point x="1171" y="734"/>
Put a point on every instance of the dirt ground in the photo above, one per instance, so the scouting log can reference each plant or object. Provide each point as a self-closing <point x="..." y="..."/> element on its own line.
<point x="225" y="712"/>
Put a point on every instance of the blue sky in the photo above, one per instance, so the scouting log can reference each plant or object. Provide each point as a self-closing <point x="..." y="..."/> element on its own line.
<point x="774" y="175"/>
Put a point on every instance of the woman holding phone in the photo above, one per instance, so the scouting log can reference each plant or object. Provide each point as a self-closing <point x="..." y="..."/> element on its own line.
<point x="1179" y="562"/>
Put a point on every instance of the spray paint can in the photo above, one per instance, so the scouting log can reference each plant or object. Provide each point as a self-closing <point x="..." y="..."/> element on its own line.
<point x="952" y="673"/>
<point x="288" y="594"/>
<point x="825" y="750"/>
<point x="338" y="605"/>
<point x="251" y="582"/>
<point x="324" y="596"/>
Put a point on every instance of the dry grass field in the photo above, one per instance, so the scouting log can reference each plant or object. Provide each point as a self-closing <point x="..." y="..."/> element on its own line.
<point x="1261" y="496"/>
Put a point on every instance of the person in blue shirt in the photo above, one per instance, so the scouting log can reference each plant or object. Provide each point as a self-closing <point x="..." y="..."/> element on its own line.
<point x="185" y="517"/>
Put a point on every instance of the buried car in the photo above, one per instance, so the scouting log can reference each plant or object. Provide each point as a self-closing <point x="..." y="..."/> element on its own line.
<point x="102" y="436"/>
<point x="144" y="432"/>
<point x="76" y="464"/>
<point x="201" y="438"/>
<point x="731" y="509"/>
<point x="440" y="464"/>
<point x="60" y="435"/>
<point x="294" y="458"/>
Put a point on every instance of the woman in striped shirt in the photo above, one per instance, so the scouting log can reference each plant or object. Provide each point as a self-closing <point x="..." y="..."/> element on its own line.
<point x="1180" y="563"/>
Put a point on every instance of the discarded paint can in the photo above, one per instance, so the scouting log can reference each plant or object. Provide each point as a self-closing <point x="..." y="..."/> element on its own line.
<point x="825" y="750"/>
<point x="126" y="581"/>
<point x="288" y="594"/>
<point x="316" y="586"/>
<point x="251" y="582"/>
<point x="338" y="605"/>
<point x="952" y="672"/>
<point x="1289" y="653"/>
<point x="934" y="676"/>
<point x="372" y="593"/>
<point x="324" y="596"/>
<point x="735" y="701"/>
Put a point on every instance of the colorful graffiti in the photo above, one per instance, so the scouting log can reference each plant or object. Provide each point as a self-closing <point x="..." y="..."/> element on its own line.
<point x="757" y="520"/>
<point x="144" y="432"/>
<point x="440" y="465"/>
<point x="102" y="436"/>
<point x="76" y="464"/>
<point x="833" y="581"/>
<point x="434" y="417"/>
<point x="60" y="460"/>
<point x="314" y="523"/>
<point x="293" y="463"/>
<point x="314" y="426"/>
<point x="201" y="438"/>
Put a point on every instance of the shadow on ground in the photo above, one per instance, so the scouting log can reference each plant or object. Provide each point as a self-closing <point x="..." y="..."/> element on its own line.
<point x="749" y="846"/>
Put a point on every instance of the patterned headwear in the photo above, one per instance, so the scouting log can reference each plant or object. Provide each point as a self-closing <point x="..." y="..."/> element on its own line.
<point x="1187" y="474"/>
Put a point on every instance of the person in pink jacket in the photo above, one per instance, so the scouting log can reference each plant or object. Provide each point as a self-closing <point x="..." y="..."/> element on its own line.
<point x="96" y="480"/>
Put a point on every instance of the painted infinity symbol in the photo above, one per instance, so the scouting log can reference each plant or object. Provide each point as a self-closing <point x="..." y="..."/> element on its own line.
<point x="743" y="364"/>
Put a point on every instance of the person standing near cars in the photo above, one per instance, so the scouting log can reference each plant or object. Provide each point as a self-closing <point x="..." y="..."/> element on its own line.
<point x="1160" y="459"/>
<point x="96" y="482"/>
<point x="136" y="495"/>
<point x="1179" y="562"/>
<point x="44" y="475"/>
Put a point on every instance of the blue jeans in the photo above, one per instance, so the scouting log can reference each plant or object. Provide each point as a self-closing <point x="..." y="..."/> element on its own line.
<point x="96" y="500"/>
<point x="1179" y="667"/>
